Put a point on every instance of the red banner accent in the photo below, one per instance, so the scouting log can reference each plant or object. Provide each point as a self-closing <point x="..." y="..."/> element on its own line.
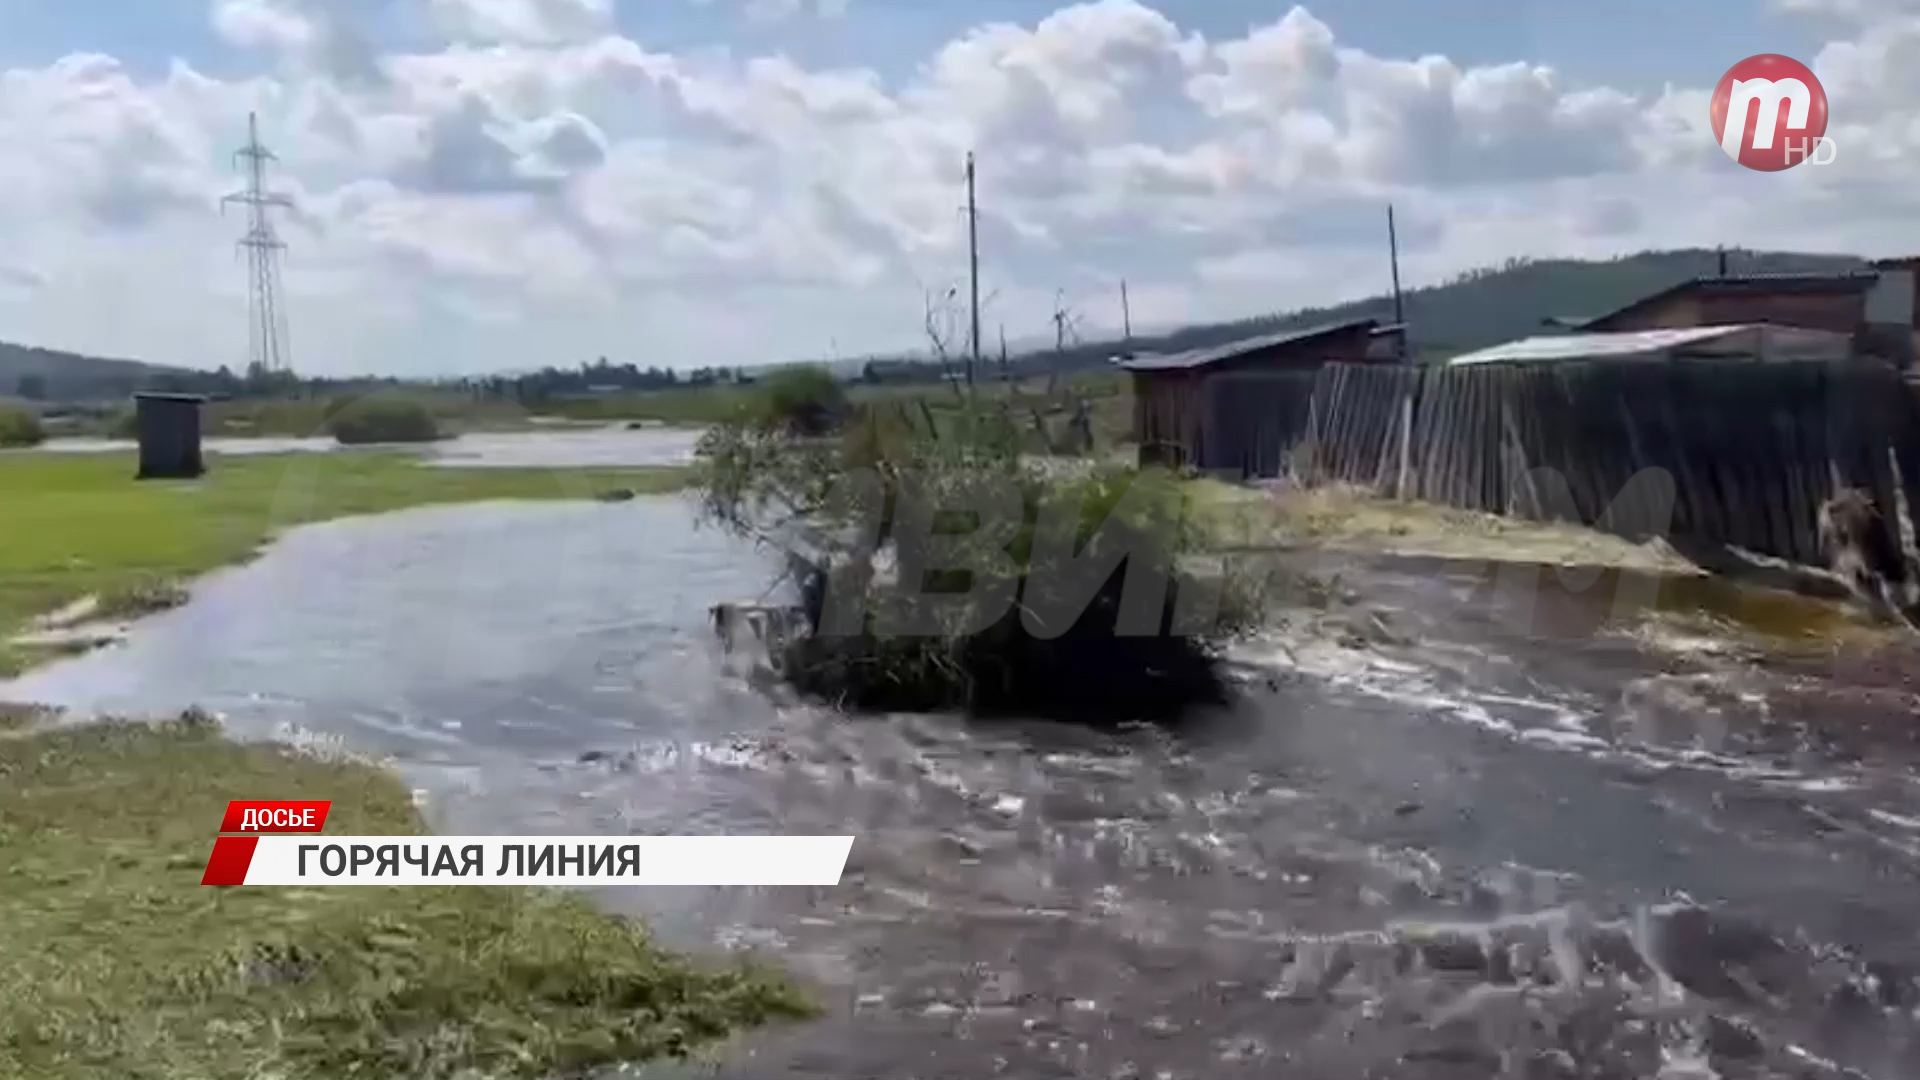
<point x="229" y="861"/>
<point x="275" y="816"/>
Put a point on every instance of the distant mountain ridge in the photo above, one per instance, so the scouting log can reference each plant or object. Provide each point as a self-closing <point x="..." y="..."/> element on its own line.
<point x="67" y="376"/>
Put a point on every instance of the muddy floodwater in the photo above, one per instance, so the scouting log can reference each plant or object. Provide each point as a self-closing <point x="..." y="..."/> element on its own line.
<point x="615" y="446"/>
<point x="1486" y="833"/>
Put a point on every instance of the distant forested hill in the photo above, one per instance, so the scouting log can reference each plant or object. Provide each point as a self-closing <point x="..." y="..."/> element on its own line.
<point x="63" y="376"/>
<point x="1478" y="308"/>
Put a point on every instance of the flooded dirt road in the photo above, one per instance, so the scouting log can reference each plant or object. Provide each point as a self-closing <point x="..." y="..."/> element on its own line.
<point x="1462" y="840"/>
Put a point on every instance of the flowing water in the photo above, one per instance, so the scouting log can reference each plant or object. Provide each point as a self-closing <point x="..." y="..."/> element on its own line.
<point x="1481" y="835"/>
<point x="607" y="447"/>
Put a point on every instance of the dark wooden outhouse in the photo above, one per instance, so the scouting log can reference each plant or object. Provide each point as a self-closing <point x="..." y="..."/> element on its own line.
<point x="169" y="430"/>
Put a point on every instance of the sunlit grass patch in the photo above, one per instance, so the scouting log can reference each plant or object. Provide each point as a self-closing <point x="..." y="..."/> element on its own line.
<point x="116" y="963"/>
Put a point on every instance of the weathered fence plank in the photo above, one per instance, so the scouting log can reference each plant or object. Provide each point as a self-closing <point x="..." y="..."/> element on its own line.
<point x="1753" y="449"/>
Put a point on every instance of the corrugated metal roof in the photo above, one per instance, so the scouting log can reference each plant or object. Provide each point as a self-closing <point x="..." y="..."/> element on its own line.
<point x="1214" y="354"/>
<point x="1647" y="343"/>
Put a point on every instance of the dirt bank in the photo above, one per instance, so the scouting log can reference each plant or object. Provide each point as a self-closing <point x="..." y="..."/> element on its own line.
<point x="1349" y="519"/>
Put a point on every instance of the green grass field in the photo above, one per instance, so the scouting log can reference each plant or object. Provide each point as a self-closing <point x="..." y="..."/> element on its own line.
<point x="115" y="963"/>
<point x="120" y="965"/>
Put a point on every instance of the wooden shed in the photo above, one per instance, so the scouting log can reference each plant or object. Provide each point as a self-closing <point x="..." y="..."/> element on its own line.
<point x="169" y="428"/>
<point x="1239" y="407"/>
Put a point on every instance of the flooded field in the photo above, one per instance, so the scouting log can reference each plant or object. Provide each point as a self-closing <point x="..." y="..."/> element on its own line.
<point x="264" y="444"/>
<point x="611" y="447"/>
<point x="1488" y="830"/>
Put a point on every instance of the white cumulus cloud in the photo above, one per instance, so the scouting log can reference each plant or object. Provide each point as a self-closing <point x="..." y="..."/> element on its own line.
<point x="535" y="22"/>
<point x="525" y="184"/>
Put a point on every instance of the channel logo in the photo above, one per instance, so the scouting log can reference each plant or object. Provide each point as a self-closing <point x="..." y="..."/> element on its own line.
<point x="1770" y="113"/>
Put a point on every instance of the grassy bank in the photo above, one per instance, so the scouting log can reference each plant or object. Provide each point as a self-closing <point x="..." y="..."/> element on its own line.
<point x="78" y="524"/>
<point x="120" y="964"/>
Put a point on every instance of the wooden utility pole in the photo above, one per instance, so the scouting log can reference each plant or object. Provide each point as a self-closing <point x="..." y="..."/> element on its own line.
<point x="1404" y="473"/>
<point x="973" y="271"/>
<point x="1393" y="254"/>
<point x="1126" y="315"/>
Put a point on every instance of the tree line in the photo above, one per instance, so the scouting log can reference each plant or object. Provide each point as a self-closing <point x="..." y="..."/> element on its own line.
<point x="257" y="383"/>
<point x="601" y="377"/>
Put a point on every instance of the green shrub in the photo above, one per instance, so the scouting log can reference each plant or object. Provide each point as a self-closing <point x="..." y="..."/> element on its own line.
<point x="803" y="400"/>
<point x="20" y="426"/>
<point x="382" y="420"/>
<point x="1045" y="656"/>
<point x="125" y="424"/>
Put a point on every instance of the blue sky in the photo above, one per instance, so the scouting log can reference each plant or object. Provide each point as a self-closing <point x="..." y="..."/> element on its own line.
<point x="1620" y="42"/>
<point x="1623" y="42"/>
<point x="691" y="181"/>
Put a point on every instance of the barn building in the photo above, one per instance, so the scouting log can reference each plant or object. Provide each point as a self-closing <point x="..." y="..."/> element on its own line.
<point x="1875" y="306"/>
<point x="1238" y="407"/>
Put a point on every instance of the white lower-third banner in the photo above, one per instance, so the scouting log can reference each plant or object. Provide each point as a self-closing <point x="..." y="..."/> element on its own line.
<point x="527" y="860"/>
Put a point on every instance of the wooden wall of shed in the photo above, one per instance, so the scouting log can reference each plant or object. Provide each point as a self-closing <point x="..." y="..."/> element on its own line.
<point x="1255" y="418"/>
<point x="1719" y="452"/>
<point x="1167" y="417"/>
<point x="1240" y="416"/>
<point x="1240" y="422"/>
<point x="1840" y="312"/>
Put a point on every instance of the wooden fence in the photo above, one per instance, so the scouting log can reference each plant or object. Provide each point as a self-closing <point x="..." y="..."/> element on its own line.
<point x="1359" y="421"/>
<point x="1723" y="452"/>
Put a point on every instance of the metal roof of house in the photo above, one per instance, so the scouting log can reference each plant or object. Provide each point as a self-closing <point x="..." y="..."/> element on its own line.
<point x="1761" y="340"/>
<point x="1233" y="350"/>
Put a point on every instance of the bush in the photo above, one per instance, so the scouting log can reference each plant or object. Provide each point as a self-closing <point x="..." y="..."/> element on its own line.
<point x="20" y="426"/>
<point x="805" y="401"/>
<point x="125" y="424"/>
<point x="381" y="420"/>
<point x="1099" y="666"/>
